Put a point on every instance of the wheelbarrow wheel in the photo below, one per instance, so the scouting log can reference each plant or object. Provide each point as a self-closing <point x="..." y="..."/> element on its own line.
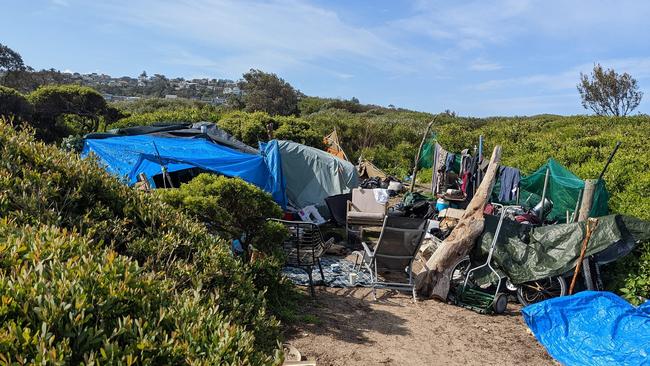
<point x="457" y="276"/>
<point x="540" y="290"/>
<point x="500" y="303"/>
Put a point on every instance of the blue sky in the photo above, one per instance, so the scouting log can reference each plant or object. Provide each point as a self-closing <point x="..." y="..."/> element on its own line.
<point x="478" y="58"/>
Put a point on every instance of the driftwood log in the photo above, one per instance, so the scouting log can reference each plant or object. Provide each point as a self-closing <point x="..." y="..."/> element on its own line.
<point x="433" y="279"/>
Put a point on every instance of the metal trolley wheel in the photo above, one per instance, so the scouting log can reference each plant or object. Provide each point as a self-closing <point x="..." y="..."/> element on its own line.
<point x="540" y="290"/>
<point x="458" y="274"/>
<point x="500" y="303"/>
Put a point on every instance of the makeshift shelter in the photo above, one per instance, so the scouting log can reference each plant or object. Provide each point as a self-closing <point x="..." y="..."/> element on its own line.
<point x="527" y="253"/>
<point x="564" y="189"/>
<point x="311" y="175"/>
<point x="367" y="169"/>
<point x="333" y="145"/>
<point x="204" y="130"/>
<point x="127" y="156"/>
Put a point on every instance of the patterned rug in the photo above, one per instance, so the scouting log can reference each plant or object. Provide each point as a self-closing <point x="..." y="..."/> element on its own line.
<point x="337" y="274"/>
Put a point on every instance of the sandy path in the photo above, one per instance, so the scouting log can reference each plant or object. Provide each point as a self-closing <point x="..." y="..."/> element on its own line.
<point x="349" y="328"/>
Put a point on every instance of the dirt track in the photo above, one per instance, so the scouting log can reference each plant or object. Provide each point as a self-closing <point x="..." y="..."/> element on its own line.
<point x="349" y="328"/>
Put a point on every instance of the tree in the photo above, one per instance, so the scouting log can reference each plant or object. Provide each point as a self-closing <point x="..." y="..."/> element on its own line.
<point x="14" y="104"/>
<point x="268" y="93"/>
<point x="10" y="60"/>
<point x="53" y="102"/>
<point x="608" y="93"/>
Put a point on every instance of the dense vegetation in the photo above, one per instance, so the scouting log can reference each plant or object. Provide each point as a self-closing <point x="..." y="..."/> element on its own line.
<point x="389" y="137"/>
<point x="92" y="270"/>
<point x="100" y="272"/>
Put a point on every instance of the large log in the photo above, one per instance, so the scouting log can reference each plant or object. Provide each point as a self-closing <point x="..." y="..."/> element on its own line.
<point x="433" y="279"/>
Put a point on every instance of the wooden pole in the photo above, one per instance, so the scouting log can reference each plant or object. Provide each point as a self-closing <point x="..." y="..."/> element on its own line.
<point x="585" y="209"/>
<point x="587" y="199"/>
<point x="433" y="279"/>
<point x="591" y="226"/>
<point x="417" y="156"/>
<point x="542" y="210"/>
<point x="434" y="169"/>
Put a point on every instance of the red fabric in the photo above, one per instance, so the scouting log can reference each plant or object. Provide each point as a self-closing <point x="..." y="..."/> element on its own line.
<point x="463" y="186"/>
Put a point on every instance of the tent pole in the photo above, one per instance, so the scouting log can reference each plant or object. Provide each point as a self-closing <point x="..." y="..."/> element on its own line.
<point x="518" y="192"/>
<point x="611" y="156"/>
<point x="575" y="212"/>
<point x="542" y="211"/>
<point x="434" y="168"/>
<point x="417" y="156"/>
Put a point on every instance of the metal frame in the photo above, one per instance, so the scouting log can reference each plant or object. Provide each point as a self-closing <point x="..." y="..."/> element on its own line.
<point x="369" y="256"/>
<point x="304" y="247"/>
<point x="504" y="210"/>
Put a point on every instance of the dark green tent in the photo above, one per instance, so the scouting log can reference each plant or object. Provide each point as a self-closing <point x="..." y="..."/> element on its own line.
<point x="564" y="190"/>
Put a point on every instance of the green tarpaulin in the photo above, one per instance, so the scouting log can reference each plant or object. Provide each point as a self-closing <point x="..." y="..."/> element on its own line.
<point x="526" y="254"/>
<point x="563" y="190"/>
<point x="311" y="175"/>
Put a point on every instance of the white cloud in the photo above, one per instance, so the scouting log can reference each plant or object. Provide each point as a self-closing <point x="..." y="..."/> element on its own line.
<point x="638" y="67"/>
<point x="65" y="3"/>
<point x="272" y="34"/>
<point x="483" y="65"/>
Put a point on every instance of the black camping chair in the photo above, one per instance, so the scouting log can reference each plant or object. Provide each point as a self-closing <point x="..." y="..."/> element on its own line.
<point x="398" y="245"/>
<point x="338" y="206"/>
<point x="304" y="247"/>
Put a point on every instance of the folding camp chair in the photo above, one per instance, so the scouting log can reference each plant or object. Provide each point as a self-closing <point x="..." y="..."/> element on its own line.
<point x="363" y="210"/>
<point x="304" y="247"/>
<point x="398" y="245"/>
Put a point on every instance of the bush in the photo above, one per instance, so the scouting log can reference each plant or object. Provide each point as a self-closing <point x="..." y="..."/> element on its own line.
<point x="42" y="185"/>
<point x="231" y="208"/>
<point x="189" y="115"/>
<point x="52" y="103"/>
<point x="151" y="105"/>
<point x="13" y="104"/>
<point x="297" y="130"/>
<point x="66" y="301"/>
<point x="249" y="128"/>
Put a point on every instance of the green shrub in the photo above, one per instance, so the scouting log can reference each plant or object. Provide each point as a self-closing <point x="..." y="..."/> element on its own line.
<point x="13" y="104"/>
<point x="151" y="105"/>
<point x="189" y="115"/>
<point x="250" y="128"/>
<point x="231" y="208"/>
<point x="52" y="103"/>
<point x="297" y="130"/>
<point x="42" y="185"/>
<point x="66" y="302"/>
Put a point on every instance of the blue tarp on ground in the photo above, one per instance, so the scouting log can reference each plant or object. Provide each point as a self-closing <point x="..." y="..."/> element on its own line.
<point x="128" y="156"/>
<point x="592" y="328"/>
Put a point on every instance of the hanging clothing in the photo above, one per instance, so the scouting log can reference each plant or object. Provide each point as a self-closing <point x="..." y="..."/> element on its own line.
<point x="439" y="174"/>
<point x="509" y="178"/>
<point x="465" y="162"/>
<point x="449" y="163"/>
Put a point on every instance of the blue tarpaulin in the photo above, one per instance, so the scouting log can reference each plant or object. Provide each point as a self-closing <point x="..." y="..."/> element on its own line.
<point x="128" y="156"/>
<point x="592" y="328"/>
